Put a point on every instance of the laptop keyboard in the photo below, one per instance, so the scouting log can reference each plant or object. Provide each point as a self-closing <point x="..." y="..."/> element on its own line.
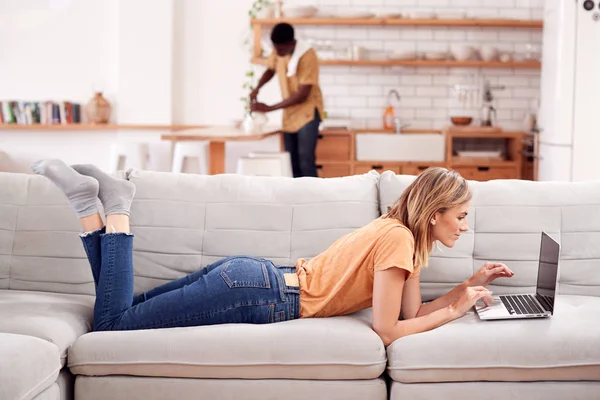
<point x="546" y="302"/>
<point x="521" y="304"/>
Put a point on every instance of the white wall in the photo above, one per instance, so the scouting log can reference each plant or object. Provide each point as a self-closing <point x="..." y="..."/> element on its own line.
<point x="145" y="48"/>
<point x="210" y="61"/>
<point x="58" y="50"/>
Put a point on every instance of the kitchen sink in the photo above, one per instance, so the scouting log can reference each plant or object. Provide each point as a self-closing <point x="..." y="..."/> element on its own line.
<point x="400" y="147"/>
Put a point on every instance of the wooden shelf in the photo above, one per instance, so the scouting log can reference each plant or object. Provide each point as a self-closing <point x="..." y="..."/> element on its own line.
<point x="498" y="23"/>
<point x="422" y="63"/>
<point x="94" y="127"/>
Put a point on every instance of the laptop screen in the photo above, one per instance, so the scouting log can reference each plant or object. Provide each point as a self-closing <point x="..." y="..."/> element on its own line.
<point x="548" y="268"/>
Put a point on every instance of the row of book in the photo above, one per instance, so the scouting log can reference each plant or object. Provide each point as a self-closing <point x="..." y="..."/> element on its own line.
<point x="47" y="112"/>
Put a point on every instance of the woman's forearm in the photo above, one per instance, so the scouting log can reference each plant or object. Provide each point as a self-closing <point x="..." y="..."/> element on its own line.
<point x="425" y="323"/>
<point x="441" y="302"/>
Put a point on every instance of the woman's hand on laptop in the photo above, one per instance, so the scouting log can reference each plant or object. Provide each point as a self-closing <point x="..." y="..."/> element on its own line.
<point x="467" y="298"/>
<point x="488" y="273"/>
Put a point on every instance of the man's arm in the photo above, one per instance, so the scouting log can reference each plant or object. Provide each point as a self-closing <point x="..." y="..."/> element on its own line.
<point x="297" y="98"/>
<point x="266" y="77"/>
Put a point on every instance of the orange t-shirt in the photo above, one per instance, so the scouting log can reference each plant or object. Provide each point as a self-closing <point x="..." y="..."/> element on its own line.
<point x="339" y="281"/>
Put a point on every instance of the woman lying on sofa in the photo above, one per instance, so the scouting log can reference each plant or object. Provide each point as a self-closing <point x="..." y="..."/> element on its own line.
<point x="377" y="265"/>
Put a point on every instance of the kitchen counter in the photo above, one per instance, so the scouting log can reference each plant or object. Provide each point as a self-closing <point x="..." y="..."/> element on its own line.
<point x="337" y="152"/>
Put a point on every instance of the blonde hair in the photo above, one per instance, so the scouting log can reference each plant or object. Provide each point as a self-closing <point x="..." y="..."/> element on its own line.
<point x="434" y="190"/>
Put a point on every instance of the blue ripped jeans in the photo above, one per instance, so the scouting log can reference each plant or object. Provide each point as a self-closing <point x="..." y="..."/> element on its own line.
<point x="231" y="290"/>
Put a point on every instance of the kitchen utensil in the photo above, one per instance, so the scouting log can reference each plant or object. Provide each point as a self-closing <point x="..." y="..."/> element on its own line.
<point x="461" y="120"/>
<point x="488" y="112"/>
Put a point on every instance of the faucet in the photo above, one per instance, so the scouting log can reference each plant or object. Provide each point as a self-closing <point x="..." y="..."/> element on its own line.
<point x="395" y="93"/>
<point x="398" y="125"/>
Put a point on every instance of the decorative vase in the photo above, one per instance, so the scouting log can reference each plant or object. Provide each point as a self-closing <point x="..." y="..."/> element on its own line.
<point x="98" y="109"/>
<point x="254" y="122"/>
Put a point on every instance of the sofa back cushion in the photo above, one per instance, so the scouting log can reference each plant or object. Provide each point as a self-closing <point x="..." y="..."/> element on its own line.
<point x="40" y="247"/>
<point x="505" y="224"/>
<point x="183" y="222"/>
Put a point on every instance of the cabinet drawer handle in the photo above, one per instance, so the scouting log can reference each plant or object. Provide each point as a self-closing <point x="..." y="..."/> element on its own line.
<point x="483" y="168"/>
<point x="377" y="166"/>
<point x="320" y="136"/>
<point x="319" y="167"/>
<point x="422" y="167"/>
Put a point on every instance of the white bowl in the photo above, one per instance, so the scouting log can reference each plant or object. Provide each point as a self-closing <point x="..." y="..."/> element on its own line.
<point x="300" y="12"/>
<point x="462" y="52"/>
<point x="488" y="53"/>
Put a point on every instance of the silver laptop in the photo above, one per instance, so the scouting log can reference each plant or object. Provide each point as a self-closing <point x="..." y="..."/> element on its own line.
<point x="538" y="305"/>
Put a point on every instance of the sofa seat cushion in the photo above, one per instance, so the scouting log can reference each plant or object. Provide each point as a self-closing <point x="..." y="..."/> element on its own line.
<point x="57" y="318"/>
<point x="564" y="347"/>
<point x="332" y="348"/>
<point x="29" y="366"/>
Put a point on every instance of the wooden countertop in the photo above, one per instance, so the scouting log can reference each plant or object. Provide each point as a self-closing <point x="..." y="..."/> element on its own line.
<point x="472" y="132"/>
<point x="219" y="134"/>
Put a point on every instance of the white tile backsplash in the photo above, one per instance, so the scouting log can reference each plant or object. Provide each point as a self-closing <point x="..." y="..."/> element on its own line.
<point x="427" y="97"/>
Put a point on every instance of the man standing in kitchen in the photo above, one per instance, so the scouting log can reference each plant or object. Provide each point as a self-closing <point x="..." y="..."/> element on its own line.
<point x="297" y="68"/>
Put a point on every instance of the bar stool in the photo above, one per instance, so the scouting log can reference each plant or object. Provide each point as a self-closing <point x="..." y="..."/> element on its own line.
<point x="196" y="155"/>
<point x="126" y="155"/>
<point x="284" y="156"/>
<point x="260" y="166"/>
<point x="160" y="157"/>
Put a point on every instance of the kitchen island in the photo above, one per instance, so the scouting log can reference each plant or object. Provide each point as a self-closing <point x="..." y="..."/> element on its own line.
<point x="217" y="136"/>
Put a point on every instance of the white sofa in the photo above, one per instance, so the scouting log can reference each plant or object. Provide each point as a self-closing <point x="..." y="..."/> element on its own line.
<point x="183" y="222"/>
